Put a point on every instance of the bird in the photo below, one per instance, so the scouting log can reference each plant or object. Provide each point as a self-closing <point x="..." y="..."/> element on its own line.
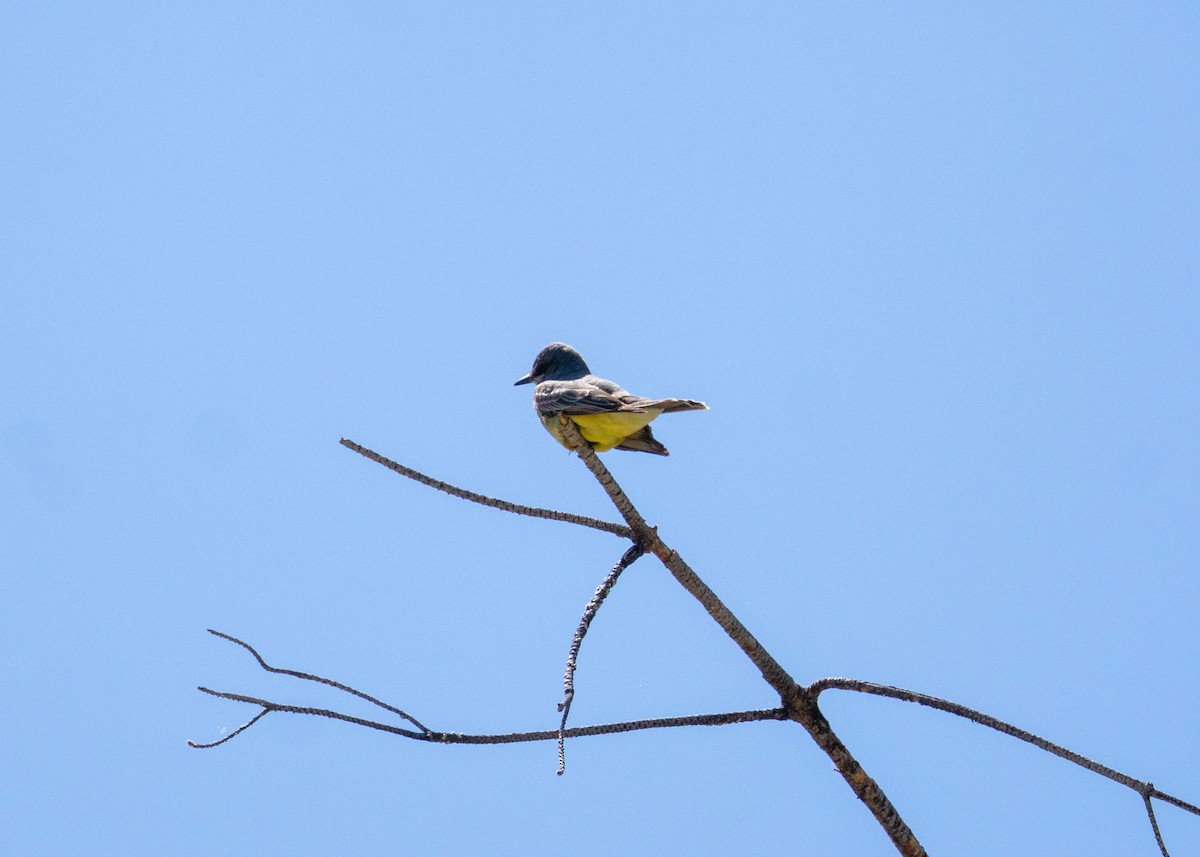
<point x="606" y="414"/>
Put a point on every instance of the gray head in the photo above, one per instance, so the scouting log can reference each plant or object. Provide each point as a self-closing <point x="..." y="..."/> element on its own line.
<point x="556" y="362"/>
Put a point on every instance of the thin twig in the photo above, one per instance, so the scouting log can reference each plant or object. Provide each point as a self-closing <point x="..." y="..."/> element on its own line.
<point x="503" y="505"/>
<point x="1182" y="804"/>
<point x="630" y="556"/>
<point x="319" y="680"/>
<point x="234" y="733"/>
<point x="1162" y="846"/>
<point x="1169" y="798"/>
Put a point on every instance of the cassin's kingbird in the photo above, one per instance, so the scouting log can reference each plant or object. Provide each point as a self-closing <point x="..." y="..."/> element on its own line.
<point x="608" y="416"/>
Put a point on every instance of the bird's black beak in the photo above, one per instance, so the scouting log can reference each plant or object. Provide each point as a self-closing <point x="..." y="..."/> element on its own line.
<point x="528" y="379"/>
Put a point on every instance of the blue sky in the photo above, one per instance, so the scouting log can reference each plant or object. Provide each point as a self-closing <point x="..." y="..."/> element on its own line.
<point x="935" y="270"/>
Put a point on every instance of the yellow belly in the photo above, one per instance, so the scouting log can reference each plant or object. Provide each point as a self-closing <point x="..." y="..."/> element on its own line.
<point x="603" y="431"/>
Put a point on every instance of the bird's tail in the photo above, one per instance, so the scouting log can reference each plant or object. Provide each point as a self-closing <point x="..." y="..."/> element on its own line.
<point x="670" y="406"/>
<point x="643" y="441"/>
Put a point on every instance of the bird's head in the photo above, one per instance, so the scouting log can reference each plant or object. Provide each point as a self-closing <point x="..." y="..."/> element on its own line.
<point x="556" y="362"/>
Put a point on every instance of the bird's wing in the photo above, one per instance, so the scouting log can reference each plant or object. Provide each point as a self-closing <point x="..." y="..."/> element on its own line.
<point x="588" y="395"/>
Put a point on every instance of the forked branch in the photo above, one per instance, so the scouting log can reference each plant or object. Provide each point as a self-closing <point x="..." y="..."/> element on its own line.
<point x="423" y="733"/>
<point x="1145" y="789"/>
<point x="799" y="703"/>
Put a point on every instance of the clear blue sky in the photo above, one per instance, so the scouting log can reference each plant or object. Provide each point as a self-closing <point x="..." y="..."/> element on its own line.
<point x="936" y="270"/>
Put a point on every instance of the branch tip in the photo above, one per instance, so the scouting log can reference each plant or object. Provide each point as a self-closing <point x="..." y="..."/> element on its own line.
<point x="503" y="505"/>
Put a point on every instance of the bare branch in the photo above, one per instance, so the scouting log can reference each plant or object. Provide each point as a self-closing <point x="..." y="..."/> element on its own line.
<point x="502" y="505"/>
<point x="318" y="679"/>
<point x="800" y="704"/>
<point x="859" y="686"/>
<point x="808" y="714"/>
<point x="1162" y="846"/>
<point x="771" y="670"/>
<point x="234" y="733"/>
<point x="427" y="734"/>
<point x="1182" y="804"/>
<point x="434" y="737"/>
<point x="1145" y="789"/>
<point x="629" y="558"/>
